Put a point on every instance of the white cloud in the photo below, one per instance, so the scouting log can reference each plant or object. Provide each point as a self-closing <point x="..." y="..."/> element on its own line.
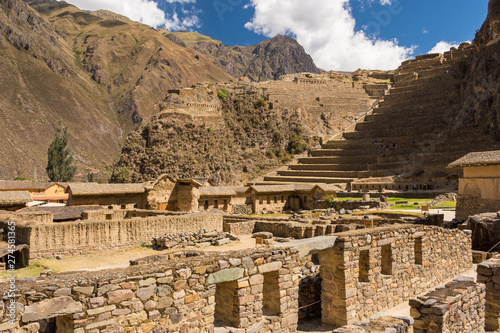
<point x="386" y="2"/>
<point x="443" y="46"/>
<point x="327" y="31"/>
<point x="146" y="11"/>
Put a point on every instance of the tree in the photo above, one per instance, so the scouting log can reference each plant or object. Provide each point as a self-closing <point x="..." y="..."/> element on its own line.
<point x="60" y="166"/>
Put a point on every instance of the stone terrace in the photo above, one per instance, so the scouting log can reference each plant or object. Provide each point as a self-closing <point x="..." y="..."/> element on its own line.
<point x="412" y="115"/>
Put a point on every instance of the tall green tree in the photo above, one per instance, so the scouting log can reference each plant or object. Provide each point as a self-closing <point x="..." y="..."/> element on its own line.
<point x="60" y="166"/>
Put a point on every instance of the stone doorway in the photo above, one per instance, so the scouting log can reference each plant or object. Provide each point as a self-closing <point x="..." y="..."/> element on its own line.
<point x="62" y="324"/>
<point x="226" y="304"/>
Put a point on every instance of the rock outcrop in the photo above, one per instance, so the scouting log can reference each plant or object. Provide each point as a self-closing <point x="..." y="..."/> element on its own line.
<point x="265" y="61"/>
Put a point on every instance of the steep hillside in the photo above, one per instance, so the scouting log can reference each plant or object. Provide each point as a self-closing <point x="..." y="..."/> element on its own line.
<point x="101" y="74"/>
<point x="134" y="63"/>
<point x="481" y="86"/>
<point x="246" y="137"/>
<point x="267" y="60"/>
<point x="235" y="132"/>
<point x="42" y="84"/>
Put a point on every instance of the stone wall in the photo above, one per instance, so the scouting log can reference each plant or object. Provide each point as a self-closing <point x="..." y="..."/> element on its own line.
<point x="251" y="291"/>
<point x="458" y="307"/>
<point x="468" y="205"/>
<point x="352" y="205"/>
<point x="366" y="273"/>
<point x="73" y="238"/>
<point x="488" y="273"/>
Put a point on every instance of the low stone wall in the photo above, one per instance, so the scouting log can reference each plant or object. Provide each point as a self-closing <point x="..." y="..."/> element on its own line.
<point x="352" y="205"/>
<point x="240" y="228"/>
<point x="385" y="324"/>
<point x="249" y="291"/>
<point x="73" y="238"/>
<point x="488" y="273"/>
<point x="458" y="307"/>
<point x="120" y="214"/>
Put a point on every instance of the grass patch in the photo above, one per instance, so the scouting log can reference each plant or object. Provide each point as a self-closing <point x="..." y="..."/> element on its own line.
<point x="445" y="205"/>
<point x="32" y="270"/>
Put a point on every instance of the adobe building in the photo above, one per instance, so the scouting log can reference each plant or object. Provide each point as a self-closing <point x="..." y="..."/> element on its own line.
<point x="14" y="200"/>
<point x="165" y="193"/>
<point x="39" y="191"/>
<point x="479" y="188"/>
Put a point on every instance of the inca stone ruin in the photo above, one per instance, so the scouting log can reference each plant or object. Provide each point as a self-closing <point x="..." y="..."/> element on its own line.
<point x="318" y="201"/>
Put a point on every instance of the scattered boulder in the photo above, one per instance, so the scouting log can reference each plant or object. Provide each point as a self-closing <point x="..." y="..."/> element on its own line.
<point x="201" y="238"/>
<point x="263" y="235"/>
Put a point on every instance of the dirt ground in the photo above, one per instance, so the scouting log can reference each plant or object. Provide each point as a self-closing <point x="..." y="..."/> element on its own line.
<point x="116" y="258"/>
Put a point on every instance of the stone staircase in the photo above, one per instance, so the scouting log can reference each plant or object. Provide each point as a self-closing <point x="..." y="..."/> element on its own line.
<point x="409" y="131"/>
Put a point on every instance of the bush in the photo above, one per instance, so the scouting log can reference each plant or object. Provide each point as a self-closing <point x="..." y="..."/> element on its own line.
<point x="277" y="136"/>
<point x="21" y="178"/>
<point x="260" y="103"/>
<point x="297" y="144"/>
<point x="122" y="175"/>
<point x="287" y="158"/>
<point x="223" y="94"/>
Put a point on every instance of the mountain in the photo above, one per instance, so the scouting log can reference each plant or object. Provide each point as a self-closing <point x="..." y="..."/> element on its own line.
<point x="265" y="61"/>
<point x="481" y="85"/>
<point x="99" y="73"/>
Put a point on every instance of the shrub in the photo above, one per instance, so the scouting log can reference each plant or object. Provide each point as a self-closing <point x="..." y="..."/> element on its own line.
<point x="297" y="144"/>
<point x="223" y="94"/>
<point x="260" y="103"/>
<point x="122" y="175"/>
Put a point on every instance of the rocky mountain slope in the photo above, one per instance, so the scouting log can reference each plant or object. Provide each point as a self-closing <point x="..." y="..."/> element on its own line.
<point x="100" y="73"/>
<point x="265" y="61"/>
<point x="481" y="85"/>
<point x="247" y="137"/>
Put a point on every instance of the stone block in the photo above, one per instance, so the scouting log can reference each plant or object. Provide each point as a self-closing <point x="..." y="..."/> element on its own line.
<point x="270" y="267"/>
<point x="51" y="308"/>
<point x="225" y="275"/>
<point x="87" y="291"/>
<point x="94" y="312"/>
<point x="118" y="296"/>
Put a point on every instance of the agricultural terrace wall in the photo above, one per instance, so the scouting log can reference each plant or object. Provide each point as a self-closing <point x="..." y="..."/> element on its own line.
<point x="73" y="238"/>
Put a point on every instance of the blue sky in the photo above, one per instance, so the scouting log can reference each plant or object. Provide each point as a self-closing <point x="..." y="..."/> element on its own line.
<point x="339" y="34"/>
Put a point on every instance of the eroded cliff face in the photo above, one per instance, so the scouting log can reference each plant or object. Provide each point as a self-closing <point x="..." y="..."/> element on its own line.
<point x="265" y="61"/>
<point x="481" y="85"/>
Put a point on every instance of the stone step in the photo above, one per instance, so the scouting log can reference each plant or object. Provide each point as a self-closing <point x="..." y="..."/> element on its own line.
<point x="308" y="180"/>
<point x="339" y="160"/>
<point x="329" y="167"/>
<point x="361" y="142"/>
<point x="416" y="116"/>
<point x="388" y="132"/>
<point x="427" y="93"/>
<point x="421" y="108"/>
<point x="364" y="150"/>
<point x="419" y="100"/>
<point x="398" y="122"/>
<point x="318" y="173"/>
